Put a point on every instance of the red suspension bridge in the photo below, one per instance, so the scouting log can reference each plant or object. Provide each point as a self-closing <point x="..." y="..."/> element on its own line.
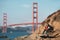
<point x="34" y="19"/>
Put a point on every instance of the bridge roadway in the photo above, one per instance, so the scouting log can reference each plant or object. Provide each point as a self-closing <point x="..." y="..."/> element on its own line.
<point x="21" y="24"/>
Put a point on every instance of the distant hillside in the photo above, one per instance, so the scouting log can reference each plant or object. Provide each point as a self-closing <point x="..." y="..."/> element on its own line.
<point x="18" y="29"/>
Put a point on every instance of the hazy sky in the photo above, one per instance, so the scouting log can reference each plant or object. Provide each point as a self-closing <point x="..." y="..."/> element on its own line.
<point x="20" y="11"/>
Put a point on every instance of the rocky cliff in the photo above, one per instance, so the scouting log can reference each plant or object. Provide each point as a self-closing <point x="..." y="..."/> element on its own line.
<point x="54" y="21"/>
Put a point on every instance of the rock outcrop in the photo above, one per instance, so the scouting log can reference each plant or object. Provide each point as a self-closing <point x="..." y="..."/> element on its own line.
<point x="54" y="21"/>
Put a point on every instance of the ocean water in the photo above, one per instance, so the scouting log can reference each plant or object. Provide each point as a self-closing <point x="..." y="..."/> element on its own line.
<point x="16" y="32"/>
<point x="13" y="35"/>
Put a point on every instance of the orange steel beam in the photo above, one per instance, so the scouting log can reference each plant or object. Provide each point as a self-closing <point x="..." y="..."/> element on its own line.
<point x="37" y="17"/>
<point x="32" y="20"/>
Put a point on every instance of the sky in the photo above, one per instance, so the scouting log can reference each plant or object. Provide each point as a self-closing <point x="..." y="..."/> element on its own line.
<point x="20" y="11"/>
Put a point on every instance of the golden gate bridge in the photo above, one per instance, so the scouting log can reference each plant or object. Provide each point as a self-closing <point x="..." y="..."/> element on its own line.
<point x="34" y="19"/>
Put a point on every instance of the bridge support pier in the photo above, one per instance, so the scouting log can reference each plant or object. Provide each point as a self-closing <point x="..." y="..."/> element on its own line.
<point x="4" y="28"/>
<point x="35" y="17"/>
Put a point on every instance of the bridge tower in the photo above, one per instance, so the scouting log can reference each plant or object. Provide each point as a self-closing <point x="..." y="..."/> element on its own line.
<point x="4" y="28"/>
<point x="35" y="16"/>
